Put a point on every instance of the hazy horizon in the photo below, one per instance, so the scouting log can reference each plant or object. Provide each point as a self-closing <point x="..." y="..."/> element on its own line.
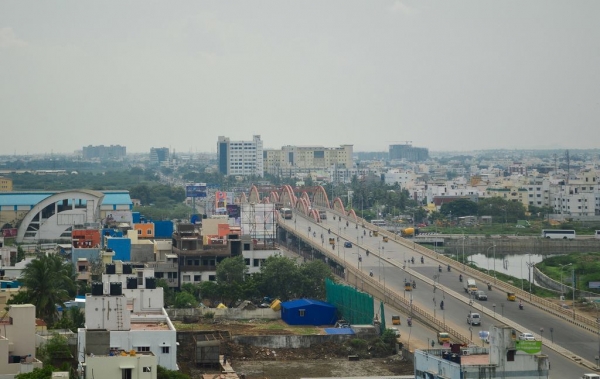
<point x="448" y="76"/>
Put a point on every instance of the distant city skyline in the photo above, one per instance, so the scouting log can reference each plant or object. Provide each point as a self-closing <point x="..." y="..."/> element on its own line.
<point x="447" y="76"/>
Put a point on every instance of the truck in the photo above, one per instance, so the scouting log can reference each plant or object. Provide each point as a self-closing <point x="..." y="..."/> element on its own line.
<point x="470" y="286"/>
<point x="409" y="232"/>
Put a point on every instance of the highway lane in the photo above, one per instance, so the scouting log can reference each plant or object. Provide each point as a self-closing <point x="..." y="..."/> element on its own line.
<point x="455" y="311"/>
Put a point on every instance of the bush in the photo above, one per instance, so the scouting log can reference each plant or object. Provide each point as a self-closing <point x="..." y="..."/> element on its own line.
<point x="208" y="315"/>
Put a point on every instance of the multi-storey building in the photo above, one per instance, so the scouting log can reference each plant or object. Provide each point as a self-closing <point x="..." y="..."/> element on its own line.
<point x="291" y="160"/>
<point x="241" y="158"/>
<point x="158" y="155"/>
<point x="17" y="344"/>
<point x="409" y="153"/>
<point x="104" y="152"/>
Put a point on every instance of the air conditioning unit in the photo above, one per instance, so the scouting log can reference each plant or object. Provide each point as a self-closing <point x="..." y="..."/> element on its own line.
<point x="465" y="352"/>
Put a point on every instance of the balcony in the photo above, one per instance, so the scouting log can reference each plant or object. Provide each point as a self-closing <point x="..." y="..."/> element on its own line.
<point x="195" y="268"/>
<point x="210" y="251"/>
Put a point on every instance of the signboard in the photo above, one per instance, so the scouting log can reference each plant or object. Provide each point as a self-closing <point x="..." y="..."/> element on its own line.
<point x="529" y="347"/>
<point x="10" y="232"/>
<point x="195" y="190"/>
<point x="593" y="284"/>
<point x="233" y="210"/>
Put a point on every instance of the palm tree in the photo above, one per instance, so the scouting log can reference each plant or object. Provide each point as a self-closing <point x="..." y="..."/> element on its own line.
<point x="49" y="281"/>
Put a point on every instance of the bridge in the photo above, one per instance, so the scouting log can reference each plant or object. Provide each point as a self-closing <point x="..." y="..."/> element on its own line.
<point x="572" y="341"/>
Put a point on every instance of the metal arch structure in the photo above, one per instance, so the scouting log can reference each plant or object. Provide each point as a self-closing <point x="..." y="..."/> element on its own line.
<point x="306" y="197"/>
<point x="302" y="207"/>
<point x="242" y="199"/>
<point x="320" y="198"/>
<point x="274" y="197"/>
<point x="315" y="215"/>
<point x="352" y="214"/>
<point x="44" y="227"/>
<point x="254" y="196"/>
<point x="338" y="206"/>
<point x="287" y="197"/>
<point x="266" y="200"/>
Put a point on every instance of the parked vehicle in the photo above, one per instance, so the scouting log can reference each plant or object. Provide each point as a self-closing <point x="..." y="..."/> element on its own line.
<point x="396" y="331"/>
<point x="480" y="295"/>
<point x="526" y="337"/>
<point x="473" y="319"/>
<point x="470" y="286"/>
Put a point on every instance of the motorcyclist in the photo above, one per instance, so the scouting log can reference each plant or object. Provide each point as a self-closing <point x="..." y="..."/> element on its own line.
<point x="309" y="228"/>
<point x="370" y="272"/>
<point x="367" y="253"/>
<point x="328" y="231"/>
<point x="460" y="277"/>
<point x="412" y="260"/>
<point x="409" y="321"/>
<point x="359" y="258"/>
<point x="422" y="260"/>
<point x="314" y="234"/>
<point x="414" y="284"/>
<point x="442" y="305"/>
<point x="448" y="268"/>
<point x="440" y="268"/>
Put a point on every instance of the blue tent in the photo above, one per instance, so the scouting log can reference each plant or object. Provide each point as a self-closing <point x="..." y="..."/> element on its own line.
<point x="308" y="312"/>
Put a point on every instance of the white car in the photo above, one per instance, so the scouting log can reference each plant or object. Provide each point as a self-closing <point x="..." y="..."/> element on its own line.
<point x="396" y="331"/>
<point x="526" y="337"/>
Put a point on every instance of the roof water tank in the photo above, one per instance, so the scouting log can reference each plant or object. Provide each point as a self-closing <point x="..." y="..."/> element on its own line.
<point x="97" y="289"/>
<point x="116" y="288"/>
<point x="111" y="268"/>
<point x="127" y="269"/>
<point x="131" y="283"/>
<point x="150" y="283"/>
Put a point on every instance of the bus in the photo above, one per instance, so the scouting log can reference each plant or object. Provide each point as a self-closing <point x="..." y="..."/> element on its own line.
<point x="378" y="222"/>
<point x="286" y="213"/>
<point x="565" y="234"/>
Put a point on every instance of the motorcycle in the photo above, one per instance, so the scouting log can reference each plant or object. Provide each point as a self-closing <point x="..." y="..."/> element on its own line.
<point x="521" y="306"/>
<point x="371" y="273"/>
<point x="442" y="305"/>
<point x="460" y="278"/>
<point x="448" y="268"/>
<point x="409" y="321"/>
<point x="422" y="260"/>
<point x="439" y="268"/>
<point x="412" y="260"/>
<point x="414" y="284"/>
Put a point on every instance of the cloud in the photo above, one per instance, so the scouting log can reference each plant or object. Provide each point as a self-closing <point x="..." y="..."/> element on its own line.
<point x="400" y="7"/>
<point x="8" y="38"/>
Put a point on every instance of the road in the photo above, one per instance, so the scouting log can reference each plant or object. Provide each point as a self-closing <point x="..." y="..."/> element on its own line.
<point x="387" y="268"/>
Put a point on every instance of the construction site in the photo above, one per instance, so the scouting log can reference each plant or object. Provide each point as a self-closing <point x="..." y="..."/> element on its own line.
<point x="204" y="345"/>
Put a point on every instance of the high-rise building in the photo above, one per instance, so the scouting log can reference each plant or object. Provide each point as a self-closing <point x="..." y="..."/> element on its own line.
<point x="294" y="159"/>
<point x="104" y="152"/>
<point x="159" y="155"/>
<point x="242" y="158"/>
<point x="409" y="153"/>
<point x="6" y="184"/>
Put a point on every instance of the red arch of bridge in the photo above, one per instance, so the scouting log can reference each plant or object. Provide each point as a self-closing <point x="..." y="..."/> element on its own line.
<point x="338" y="205"/>
<point x="320" y="197"/>
<point x="254" y="197"/>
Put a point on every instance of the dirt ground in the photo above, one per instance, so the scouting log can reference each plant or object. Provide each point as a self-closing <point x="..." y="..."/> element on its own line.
<point x="318" y="361"/>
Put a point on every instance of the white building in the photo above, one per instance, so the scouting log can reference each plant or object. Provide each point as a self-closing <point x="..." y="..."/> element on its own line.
<point x="291" y="160"/>
<point x="17" y="341"/>
<point x="505" y="358"/>
<point x="242" y="158"/>
<point x="120" y="364"/>
<point x="126" y="312"/>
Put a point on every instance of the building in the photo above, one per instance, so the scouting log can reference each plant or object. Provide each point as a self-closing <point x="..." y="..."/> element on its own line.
<point x="51" y="216"/>
<point x="243" y="158"/>
<point x="119" y="363"/>
<point x="409" y="153"/>
<point x="125" y="312"/>
<point x="158" y="155"/>
<point x="104" y="152"/>
<point x="308" y="312"/>
<point x="17" y="344"/>
<point x="505" y="358"/>
<point x="291" y="160"/>
<point x="6" y="184"/>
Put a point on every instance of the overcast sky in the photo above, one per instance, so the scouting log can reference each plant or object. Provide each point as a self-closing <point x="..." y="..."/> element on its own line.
<point x="446" y="75"/>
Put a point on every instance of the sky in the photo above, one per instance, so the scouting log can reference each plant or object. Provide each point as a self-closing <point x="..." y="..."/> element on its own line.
<point x="445" y="75"/>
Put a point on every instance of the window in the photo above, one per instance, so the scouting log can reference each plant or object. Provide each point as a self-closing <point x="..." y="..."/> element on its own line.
<point x="149" y="232"/>
<point x="301" y="312"/>
<point x="255" y="262"/>
<point x="143" y="349"/>
<point x="247" y="261"/>
<point x="126" y="373"/>
<point x="139" y="232"/>
<point x="186" y="278"/>
<point x="510" y="355"/>
<point x="197" y="278"/>
<point x="165" y="349"/>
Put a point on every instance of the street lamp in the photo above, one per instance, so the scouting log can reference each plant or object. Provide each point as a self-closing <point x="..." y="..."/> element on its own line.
<point x="494" y="306"/>
<point x="463" y="240"/>
<point x="502" y="306"/>
<point x="574" y="286"/>
<point x="542" y="335"/>
<point x="486" y="254"/>
<point x="562" y="285"/>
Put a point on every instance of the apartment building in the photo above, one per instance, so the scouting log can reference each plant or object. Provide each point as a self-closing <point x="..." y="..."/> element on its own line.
<point x="6" y="184"/>
<point x="17" y="342"/>
<point x="241" y="158"/>
<point x="291" y="160"/>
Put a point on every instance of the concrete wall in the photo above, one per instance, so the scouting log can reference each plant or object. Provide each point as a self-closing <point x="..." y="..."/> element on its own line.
<point x="290" y="342"/>
<point x="229" y="313"/>
<point x="519" y="244"/>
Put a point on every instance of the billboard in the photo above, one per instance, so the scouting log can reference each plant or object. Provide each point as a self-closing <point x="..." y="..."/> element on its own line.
<point x="195" y="190"/>
<point x="529" y="347"/>
<point x="233" y="210"/>
<point x="9" y="232"/>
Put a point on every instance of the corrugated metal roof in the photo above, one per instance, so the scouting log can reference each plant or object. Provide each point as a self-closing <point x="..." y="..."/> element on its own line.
<point x="33" y="198"/>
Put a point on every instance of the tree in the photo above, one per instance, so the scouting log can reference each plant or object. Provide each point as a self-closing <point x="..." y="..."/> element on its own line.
<point x="168" y="293"/>
<point x="210" y="291"/>
<point x="313" y="275"/>
<point x="185" y="300"/>
<point x="56" y="348"/>
<point x="232" y="270"/>
<point x="280" y="278"/>
<point x="49" y="281"/>
<point x="72" y="319"/>
<point x="37" y="373"/>
<point x="163" y="373"/>
<point x="459" y="208"/>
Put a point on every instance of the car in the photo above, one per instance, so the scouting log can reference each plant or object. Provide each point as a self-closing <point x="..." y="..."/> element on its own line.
<point x="396" y="331"/>
<point x="473" y="319"/>
<point x="480" y="295"/>
<point x="347" y="244"/>
<point x="526" y="337"/>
